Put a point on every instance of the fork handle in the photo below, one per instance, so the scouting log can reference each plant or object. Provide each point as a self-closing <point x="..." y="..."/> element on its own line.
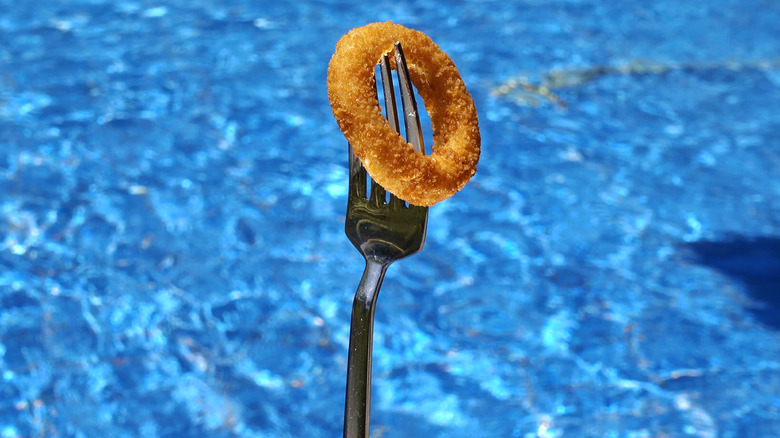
<point x="358" y="401"/>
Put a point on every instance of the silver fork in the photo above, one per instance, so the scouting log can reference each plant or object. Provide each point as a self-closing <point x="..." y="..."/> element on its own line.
<point x="383" y="231"/>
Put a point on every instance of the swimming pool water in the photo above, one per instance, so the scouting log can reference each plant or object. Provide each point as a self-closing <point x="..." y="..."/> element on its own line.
<point x="172" y="256"/>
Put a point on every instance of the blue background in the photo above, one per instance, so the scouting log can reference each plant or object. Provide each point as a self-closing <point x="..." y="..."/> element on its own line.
<point x="172" y="197"/>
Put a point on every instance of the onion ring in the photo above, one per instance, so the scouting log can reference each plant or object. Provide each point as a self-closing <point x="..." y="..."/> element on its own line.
<point x="392" y="162"/>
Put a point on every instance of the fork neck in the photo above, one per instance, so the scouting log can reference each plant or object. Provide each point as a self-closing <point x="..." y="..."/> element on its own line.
<point x="368" y="289"/>
<point x="358" y="397"/>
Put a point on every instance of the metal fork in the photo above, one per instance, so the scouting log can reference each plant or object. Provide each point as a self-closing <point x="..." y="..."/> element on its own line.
<point x="383" y="231"/>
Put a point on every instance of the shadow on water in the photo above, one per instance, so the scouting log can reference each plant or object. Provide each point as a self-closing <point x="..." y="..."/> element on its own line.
<point x="753" y="261"/>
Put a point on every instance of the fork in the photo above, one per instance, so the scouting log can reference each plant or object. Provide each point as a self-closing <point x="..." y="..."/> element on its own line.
<point x="383" y="231"/>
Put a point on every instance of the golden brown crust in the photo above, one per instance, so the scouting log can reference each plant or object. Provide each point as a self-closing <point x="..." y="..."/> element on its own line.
<point x="391" y="161"/>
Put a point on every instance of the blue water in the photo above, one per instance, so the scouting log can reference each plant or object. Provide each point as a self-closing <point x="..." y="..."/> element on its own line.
<point x="172" y="196"/>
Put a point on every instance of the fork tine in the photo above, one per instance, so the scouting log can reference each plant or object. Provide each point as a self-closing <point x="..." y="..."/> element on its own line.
<point x="409" y="102"/>
<point x="378" y="193"/>
<point x="357" y="176"/>
<point x="391" y="108"/>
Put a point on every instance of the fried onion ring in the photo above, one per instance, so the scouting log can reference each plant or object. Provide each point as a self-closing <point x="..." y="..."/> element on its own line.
<point x="392" y="162"/>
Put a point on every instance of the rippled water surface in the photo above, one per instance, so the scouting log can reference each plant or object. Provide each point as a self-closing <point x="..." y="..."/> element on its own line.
<point x="172" y="196"/>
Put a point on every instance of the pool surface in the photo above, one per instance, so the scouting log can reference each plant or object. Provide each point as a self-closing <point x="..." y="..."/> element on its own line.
<point x="172" y="198"/>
